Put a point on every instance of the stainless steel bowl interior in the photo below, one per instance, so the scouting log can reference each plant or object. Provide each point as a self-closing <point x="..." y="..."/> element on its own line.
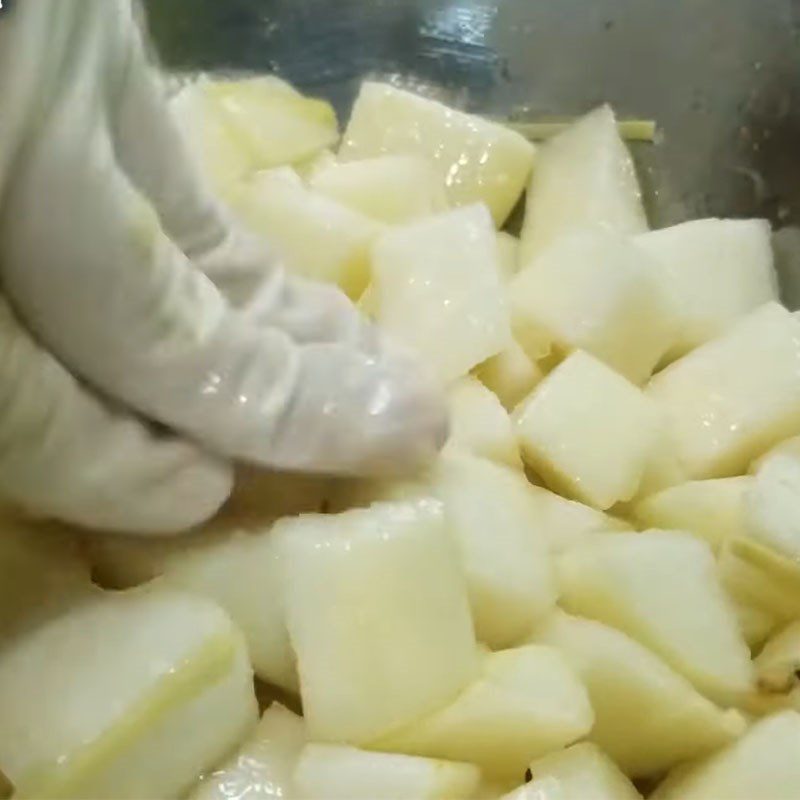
<point x="721" y="77"/>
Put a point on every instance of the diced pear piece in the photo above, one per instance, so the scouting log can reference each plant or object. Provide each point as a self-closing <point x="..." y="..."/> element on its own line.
<point x="494" y="518"/>
<point x="528" y="702"/>
<point x="317" y="163"/>
<point x="272" y="121"/>
<point x="498" y="524"/>
<point x="511" y="375"/>
<point x="264" y="766"/>
<point x="648" y="718"/>
<point x="663" y="469"/>
<point x="131" y="695"/>
<point x="581" y="772"/>
<point x="439" y="290"/>
<point x="566" y="522"/>
<point x="765" y="762"/>
<point x="508" y="246"/>
<point x="592" y="290"/>
<point x="758" y="575"/>
<point x="778" y="663"/>
<point x="756" y="624"/>
<point x="584" y="177"/>
<point x="378" y="615"/>
<point x="215" y="147"/>
<point x="788" y="447"/>
<point x="731" y="399"/>
<point x="335" y="772"/>
<point x="712" y="271"/>
<point x="236" y="567"/>
<point x="476" y="159"/>
<point x="772" y="505"/>
<point x="588" y="432"/>
<point x="42" y="574"/>
<point x="314" y="235"/>
<point x="480" y="424"/>
<point x="662" y="589"/>
<point x="714" y="510"/>
<point x="394" y="189"/>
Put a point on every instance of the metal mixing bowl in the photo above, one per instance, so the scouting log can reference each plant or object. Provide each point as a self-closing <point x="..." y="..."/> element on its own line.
<point x="721" y="77"/>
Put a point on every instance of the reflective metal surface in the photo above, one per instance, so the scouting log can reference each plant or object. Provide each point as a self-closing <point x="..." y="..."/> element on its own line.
<point x="722" y="77"/>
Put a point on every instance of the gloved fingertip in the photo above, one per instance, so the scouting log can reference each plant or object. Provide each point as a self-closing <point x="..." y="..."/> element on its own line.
<point x="191" y="497"/>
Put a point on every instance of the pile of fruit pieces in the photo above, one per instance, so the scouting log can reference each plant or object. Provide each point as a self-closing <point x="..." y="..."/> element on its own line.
<point x="594" y="593"/>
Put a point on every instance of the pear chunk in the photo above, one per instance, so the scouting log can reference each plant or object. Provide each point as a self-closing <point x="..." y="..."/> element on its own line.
<point x="438" y="290"/>
<point x="477" y="160"/>
<point x="131" y="695"/>
<point x="648" y="718"/>
<point x="712" y="271"/>
<point x="345" y="773"/>
<point x="733" y="398"/>
<point x="652" y="586"/>
<point x="264" y="766"/>
<point x="581" y="772"/>
<point x="765" y="762"/>
<point x="378" y="615"/>
<point x="588" y="432"/>
<point x="584" y="177"/>
<point x="527" y="702"/>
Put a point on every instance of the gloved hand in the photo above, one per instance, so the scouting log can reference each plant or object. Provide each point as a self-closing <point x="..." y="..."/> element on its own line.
<point x="121" y="269"/>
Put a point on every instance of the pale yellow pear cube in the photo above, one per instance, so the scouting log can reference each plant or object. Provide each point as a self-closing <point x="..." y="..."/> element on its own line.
<point x="714" y="510"/>
<point x="778" y="663"/>
<point x="346" y="773"/>
<point x="756" y="574"/>
<point x="318" y="162"/>
<point x="588" y="432"/>
<point x="272" y="121"/>
<point x="756" y="624"/>
<point x="593" y="290"/>
<point x="788" y="447"/>
<point x="234" y="565"/>
<point x="480" y="424"/>
<point x="566" y="522"/>
<point x="731" y="399"/>
<point x="393" y="189"/>
<point x="378" y="615"/>
<point x="511" y="375"/>
<point x="216" y="149"/>
<point x="584" y="177"/>
<point x="128" y="695"/>
<point x="477" y="160"/>
<point x="764" y="763"/>
<point x="663" y="470"/>
<point x="772" y="504"/>
<point x="264" y="766"/>
<point x="315" y="236"/>
<point x="581" y="772"/>
<point x="495" y="520"/>
<point x="648" y="718"/>
<point x="439" y="290"/>
<point x="499" y="527"/>
<point x="662" y="589"/>
<point x="528" y="702"/>
<point x="712" y="271"/>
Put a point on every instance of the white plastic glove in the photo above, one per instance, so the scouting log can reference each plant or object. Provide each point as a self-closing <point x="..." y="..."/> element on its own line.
<point x="126" y="269"/>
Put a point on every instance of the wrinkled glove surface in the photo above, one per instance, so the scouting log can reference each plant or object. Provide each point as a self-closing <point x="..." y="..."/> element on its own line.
<point x="132" y="297"/>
